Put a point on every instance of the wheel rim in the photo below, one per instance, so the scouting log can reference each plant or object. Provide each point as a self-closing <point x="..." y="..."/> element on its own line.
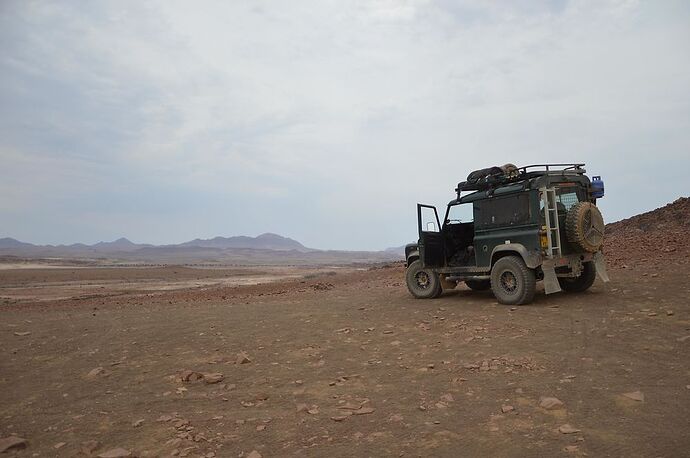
<point x="422" y="279"/>
<point x="508" y="282"/>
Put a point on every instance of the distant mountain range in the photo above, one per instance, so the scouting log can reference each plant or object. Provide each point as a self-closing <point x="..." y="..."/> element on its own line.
<point x="266" y="241"/>
<point x="265" y="248"/>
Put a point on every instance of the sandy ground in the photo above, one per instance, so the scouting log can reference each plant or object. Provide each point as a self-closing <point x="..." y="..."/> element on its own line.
<point x="349" y="365"/>
<point x="44" y="283"/>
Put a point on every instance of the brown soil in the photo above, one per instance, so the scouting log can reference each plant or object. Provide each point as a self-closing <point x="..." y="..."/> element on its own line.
<point x="352" y="365"/>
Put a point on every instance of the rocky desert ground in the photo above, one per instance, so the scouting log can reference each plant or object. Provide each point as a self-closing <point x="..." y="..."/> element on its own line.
<point x="175" y="361"/>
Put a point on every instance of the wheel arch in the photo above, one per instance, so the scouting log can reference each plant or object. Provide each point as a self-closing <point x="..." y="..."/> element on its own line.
<point x="532" y="260"/>
<point x="411" y="254"/>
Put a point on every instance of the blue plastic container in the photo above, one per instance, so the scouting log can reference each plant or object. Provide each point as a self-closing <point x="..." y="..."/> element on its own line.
<point x="597" y="187"/>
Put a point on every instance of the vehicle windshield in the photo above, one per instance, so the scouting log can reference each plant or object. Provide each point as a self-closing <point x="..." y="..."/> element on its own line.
<point x="460" y="213"/>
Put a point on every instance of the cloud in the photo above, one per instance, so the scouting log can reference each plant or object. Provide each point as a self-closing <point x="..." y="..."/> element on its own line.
<point x="325" y="121"/>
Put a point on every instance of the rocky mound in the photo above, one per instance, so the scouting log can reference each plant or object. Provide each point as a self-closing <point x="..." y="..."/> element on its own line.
<point x="652" y="238"/>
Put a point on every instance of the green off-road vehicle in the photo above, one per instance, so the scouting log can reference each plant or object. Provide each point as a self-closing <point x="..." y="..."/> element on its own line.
<point x="508" y="228"/>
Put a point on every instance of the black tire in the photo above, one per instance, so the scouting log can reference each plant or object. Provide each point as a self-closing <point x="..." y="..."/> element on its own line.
<point x="478" y="285"/>
<point x="512" y="282"/>
<point x="421" y="282"/>
<point x="581" y="283"/>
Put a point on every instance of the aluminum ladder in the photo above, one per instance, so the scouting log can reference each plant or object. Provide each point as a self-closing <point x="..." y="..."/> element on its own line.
<point x="553" y="236"/>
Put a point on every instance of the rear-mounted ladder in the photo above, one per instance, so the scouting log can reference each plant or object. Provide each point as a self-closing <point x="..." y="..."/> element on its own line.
<point x="553" y="233"/>
<point x="553" y="237"/>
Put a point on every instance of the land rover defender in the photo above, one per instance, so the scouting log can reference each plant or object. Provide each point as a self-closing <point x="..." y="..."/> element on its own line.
<point x="508" y="228"/>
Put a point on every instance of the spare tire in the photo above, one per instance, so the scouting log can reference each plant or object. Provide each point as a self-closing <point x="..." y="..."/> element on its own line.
<point x="584" y="226"/>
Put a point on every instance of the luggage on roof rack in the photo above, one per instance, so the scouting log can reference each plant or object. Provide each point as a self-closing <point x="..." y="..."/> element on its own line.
<point x="483" y="179"/>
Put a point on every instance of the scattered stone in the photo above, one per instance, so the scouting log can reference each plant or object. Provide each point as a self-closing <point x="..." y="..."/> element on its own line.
<point x="341" y="417"/>
<point x="570" y="448"/>
<point x="215" y="377"/>
<point x="313" y="410"/>
<point x="363" y="411"/>
<point x="260" y="427"/>
<point x="652" y="314"/>
<point x="95" y="372"/>
<point x="116" y="453"/>
<point x="447" y="398"/>
<point x="567" y="429"/>
<point x="507" y="408"/>
<point x="59" y="445"/>
<point x="12" y="442"/>
<point x="550" y="403"/>
<point x="299" y="382"/>
<point x="254" y="454"/>
<point x="669" y="312"/>
<point x="190" y="376"/>
<point x="430" y="366"/>
<point x="683" y="339"/>
<point x="138" y="423"/>
<point x="22" y="333"/>
<point x="242" y="358"/>
<point x="635" y="396"/>
<point x="350" y="406"/>
<point x="164" y="418"/>
<point x="395" y="417"/>
<point x="89" y="447"/>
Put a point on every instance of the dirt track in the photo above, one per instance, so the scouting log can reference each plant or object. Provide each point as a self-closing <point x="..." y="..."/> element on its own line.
<point x="436" y="373"/>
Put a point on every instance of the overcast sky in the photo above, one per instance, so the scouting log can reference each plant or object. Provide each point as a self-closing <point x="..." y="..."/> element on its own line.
<point x="325" y="121"/>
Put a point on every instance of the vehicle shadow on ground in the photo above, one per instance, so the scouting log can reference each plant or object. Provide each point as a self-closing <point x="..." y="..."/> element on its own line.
<point x="541" y="299"/>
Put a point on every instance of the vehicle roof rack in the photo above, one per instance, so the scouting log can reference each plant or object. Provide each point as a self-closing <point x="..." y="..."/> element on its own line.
<point x="481" y="180"/>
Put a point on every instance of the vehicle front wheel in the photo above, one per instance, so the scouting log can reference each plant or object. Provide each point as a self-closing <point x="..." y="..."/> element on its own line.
<point x="512" y="282"/>
<point x="423" y="283"/>
<point x="581" y="283"/>
<point x="478" y="285"/>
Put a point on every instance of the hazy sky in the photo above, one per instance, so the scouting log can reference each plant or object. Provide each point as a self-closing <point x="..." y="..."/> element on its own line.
<point x="325" y="121"/>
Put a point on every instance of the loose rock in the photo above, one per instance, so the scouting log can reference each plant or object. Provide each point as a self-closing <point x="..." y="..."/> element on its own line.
<point x="242" y="358"/>
<point x="506" y="408"/>
<point x="213" y="378"/>
<point x="190" y="376"/>
<point x="550" y="403"/>
<point x="567" y="429"/>
<point x="95" y="372"/>
<point x="635" y="396"/>
<point x="254" y="454"/>
<point x="12" y="442"/>
<point x="89" y="447"/>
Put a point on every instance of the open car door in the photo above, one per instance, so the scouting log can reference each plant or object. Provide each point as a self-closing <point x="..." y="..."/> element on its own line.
<point x="431" y="246"/>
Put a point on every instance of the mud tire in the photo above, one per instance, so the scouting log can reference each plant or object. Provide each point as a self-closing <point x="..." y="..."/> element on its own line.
<point x="512" y="282"/>
<point x="581" y="283"/>
<point x="422" y="283"/>
<point x="584" y="227"/>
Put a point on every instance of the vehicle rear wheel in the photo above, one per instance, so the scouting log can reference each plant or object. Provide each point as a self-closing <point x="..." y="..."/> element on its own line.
<point x="512" y="282"/>
<point x="423" y="283"/>
<point x="581" y="283"/>
<point x="478" y="285"/>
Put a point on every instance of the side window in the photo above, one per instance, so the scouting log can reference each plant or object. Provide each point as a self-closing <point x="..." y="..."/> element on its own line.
<point x="503" y="211"/>
<point x="567" y="196"/>
<point x="458" y="214"/>
<point x="429" y="221"/>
